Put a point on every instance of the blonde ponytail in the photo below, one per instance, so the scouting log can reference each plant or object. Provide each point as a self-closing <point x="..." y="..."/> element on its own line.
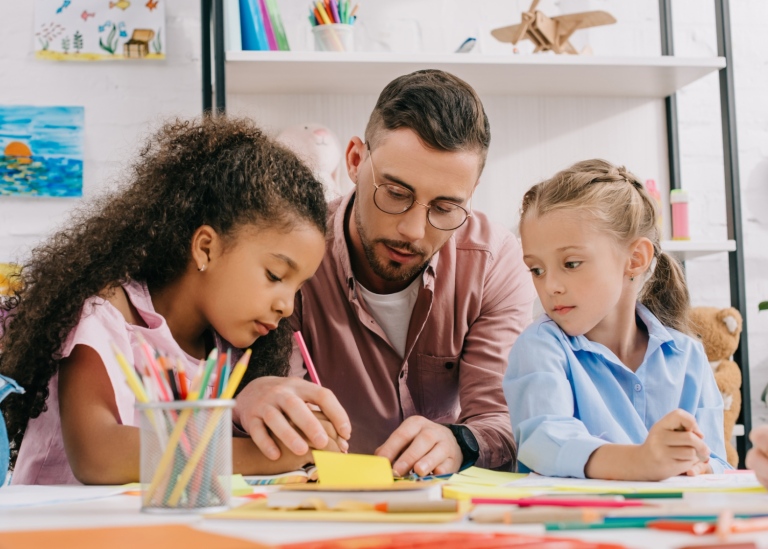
<point x="665" y="294"/>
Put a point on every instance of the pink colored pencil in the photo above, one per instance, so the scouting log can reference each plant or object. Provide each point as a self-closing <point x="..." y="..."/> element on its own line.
<point x="307" y="359"/>
<point x="554" y="502"/>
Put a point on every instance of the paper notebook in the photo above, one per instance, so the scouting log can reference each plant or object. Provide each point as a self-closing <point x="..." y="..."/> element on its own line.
<point x="146" y="537"/>
<point x="316" y="496"/>
<point x="258" y="510"/>
<point x="306" y="474"/>
<point x="746" y="482"/>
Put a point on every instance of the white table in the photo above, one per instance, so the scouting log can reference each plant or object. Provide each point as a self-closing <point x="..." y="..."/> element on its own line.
<point x="123" y="510"/>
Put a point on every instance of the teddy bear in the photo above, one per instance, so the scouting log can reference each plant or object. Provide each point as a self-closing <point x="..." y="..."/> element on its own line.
<point x="719" y="331"/>
<point x="319" y="148"/>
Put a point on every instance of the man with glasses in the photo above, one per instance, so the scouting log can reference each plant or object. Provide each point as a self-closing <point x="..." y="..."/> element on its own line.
<point x="411" y="316"/>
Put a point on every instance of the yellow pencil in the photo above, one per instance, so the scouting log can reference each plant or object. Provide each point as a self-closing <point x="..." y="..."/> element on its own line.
<point x="234" y="380"/>
<point x="321" y="9"/>
<point x="131" y="376"/>
<point x="170" y="450"/>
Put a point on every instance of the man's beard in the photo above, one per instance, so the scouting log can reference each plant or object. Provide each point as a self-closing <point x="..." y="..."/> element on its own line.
<point x="391" y="271"/>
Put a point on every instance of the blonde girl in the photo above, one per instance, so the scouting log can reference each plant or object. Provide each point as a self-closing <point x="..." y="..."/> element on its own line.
<point x="609" y="382"/>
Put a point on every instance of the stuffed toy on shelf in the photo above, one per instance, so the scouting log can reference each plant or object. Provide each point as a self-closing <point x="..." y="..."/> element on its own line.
<point x="720" y="330"/>
<point x="319" y="148"/>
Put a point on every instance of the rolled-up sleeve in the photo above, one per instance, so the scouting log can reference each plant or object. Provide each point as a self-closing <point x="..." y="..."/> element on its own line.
<point x="551" y="441"/>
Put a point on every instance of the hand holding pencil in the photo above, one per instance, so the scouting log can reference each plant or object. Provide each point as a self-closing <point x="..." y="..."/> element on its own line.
<point x="674" y="446"/>
<point x="274" y="406"/>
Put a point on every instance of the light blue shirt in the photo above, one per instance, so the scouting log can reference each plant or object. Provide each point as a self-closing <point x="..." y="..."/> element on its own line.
<point x="568" y="396"/>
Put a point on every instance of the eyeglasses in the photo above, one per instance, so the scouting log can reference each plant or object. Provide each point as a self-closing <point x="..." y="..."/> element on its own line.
<point x="395" y="199"/>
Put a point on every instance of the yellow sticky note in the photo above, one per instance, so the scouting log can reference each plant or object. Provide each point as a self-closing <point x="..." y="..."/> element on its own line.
<point x="352" y="470"/>
<point x="240" y="487"/>
<point x="486" y="477"/>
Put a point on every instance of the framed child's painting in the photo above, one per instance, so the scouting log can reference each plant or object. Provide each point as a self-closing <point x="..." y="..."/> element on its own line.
<point x="41" y="151"/>
<point x="99" y="30"/>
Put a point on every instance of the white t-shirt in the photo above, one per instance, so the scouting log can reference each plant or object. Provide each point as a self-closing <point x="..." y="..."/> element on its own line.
<point x="393" y="311"/>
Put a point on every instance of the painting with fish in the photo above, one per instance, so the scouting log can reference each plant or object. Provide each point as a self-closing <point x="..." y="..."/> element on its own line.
<point x="99" y="30"/>
<point x="41" y="151"/>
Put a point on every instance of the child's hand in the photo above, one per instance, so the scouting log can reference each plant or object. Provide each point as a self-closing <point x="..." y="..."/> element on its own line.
<point x="700" y="468"/>
<point x="674" y="446"/>
<point x="274" y="409"/>
<point x="335" y="442"/>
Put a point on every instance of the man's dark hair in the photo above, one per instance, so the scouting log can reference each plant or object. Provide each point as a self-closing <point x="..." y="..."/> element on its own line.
<point x="443" y="110"/>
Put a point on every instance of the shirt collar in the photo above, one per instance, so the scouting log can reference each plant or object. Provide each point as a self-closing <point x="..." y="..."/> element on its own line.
<point x="341" y="250"/>
<point x="658" y="335"/>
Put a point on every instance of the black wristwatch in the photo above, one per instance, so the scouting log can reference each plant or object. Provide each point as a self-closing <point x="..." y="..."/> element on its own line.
<point x="467" y="442"/>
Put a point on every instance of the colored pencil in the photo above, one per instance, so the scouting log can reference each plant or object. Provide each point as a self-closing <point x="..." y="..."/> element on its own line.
<point x="559" y="502"/>
<point x="437" y="506"/>
<point x="307" y="359"/>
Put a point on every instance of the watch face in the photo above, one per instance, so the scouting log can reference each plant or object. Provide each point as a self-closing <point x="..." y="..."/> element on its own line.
<point x="469" y="439"/>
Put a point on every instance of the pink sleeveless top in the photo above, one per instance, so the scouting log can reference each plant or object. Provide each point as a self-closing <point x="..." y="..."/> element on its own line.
<point x="42" y="459"/>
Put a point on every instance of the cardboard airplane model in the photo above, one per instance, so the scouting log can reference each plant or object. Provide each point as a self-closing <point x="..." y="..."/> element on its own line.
<point x="551" y="33"/>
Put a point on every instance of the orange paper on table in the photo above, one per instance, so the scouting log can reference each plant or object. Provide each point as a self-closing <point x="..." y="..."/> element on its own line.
<point x="449" y="540"/>
<point x="146" y="537"/>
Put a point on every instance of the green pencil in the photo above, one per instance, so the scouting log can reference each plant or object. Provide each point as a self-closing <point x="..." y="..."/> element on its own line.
<point x="628" y="523"/>
<point x="654" y="495"/>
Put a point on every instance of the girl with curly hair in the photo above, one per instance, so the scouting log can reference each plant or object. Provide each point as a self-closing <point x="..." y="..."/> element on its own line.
<point x="205" y="247"/>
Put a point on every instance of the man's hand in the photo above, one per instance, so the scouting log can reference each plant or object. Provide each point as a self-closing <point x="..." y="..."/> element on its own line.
<point x="674" y="446"/>
<point x="280" y="405"/>
<point x="422" y="446"/>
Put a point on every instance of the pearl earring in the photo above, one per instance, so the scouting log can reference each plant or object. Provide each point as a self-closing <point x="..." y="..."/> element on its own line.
<point x="201" y="268"/>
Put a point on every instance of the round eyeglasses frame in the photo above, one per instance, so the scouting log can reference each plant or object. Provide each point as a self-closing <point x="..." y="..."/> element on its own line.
<point x="467" y="214"/>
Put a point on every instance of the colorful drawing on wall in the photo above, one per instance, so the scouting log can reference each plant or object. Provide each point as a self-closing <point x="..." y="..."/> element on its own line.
<point x="99" y="30"/>
<point x="41" y="151"/>
<point x="10" y="279"/>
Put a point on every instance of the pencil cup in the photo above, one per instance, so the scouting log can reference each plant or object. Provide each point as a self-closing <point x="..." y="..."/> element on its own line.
<point x="334" y="37"/>
<point x="186" y="455"/>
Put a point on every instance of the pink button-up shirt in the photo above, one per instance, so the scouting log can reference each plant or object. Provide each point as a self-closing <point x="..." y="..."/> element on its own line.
<point x="475" y="298"/>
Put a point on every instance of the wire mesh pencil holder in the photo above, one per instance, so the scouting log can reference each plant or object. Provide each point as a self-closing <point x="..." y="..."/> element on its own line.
<point x="186" y="455"/>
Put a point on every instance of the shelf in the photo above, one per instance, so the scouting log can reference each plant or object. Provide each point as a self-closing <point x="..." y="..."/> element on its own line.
<point x="529" y="75"/>
<point x="691" y="249"/>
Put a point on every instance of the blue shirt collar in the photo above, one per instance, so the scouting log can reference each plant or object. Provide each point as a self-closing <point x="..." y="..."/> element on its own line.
<point x="658" y="335"/>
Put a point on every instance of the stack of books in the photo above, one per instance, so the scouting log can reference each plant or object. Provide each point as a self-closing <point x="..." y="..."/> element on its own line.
<point x="253" y="25"/>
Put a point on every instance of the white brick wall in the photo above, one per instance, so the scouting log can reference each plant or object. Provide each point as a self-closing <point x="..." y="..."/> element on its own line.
<point x="124" y="101"/>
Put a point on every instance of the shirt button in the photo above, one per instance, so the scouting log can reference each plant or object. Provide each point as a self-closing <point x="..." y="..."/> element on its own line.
<point x="638" y="387"/>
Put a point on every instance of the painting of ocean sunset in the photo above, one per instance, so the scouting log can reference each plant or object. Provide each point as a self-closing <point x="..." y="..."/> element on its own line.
<point x="41" y="151"/>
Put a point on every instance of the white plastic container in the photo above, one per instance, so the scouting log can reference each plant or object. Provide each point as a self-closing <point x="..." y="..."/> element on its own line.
<point x="335" y="37"/>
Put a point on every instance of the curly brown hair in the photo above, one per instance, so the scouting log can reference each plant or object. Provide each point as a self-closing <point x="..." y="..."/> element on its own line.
<point x="223" y="172"/>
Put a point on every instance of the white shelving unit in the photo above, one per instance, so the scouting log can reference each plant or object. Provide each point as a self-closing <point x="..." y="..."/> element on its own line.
<point x="270" y="72"/>
<point x="276" y="72"/>
<point x="691" y="249"/>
